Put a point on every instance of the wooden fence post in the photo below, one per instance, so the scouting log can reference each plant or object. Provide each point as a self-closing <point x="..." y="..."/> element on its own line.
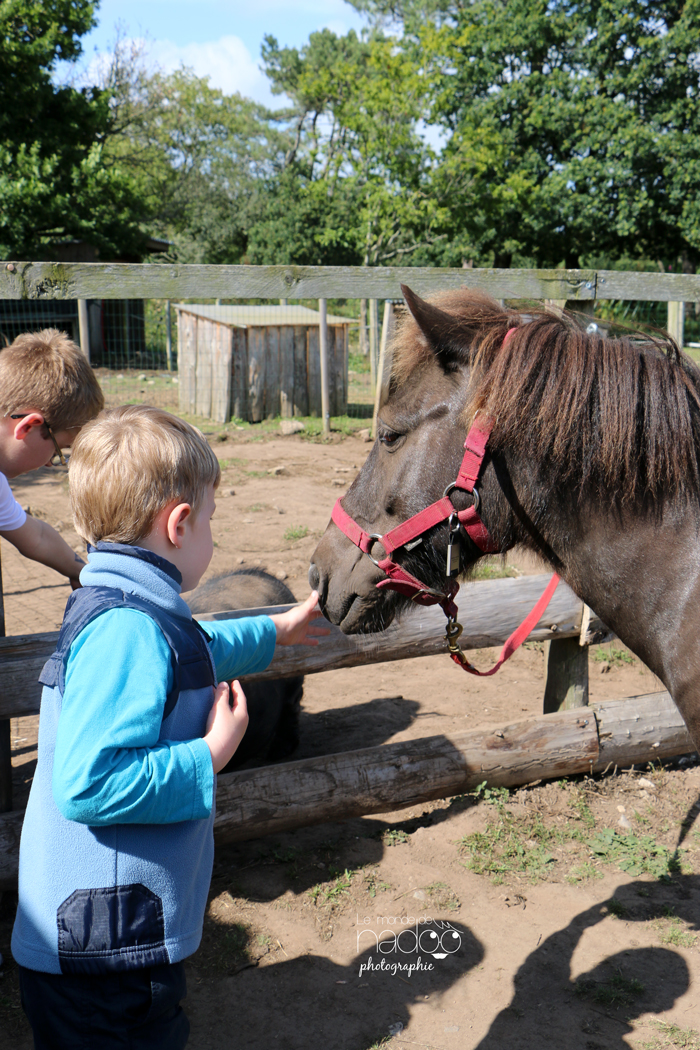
<point x="676" y="322"/>
<point x="169" y="335"/>
<point x="323" y="351"/>
<point x="566" y="675"/>
<point x="84" y="327"/>
<point x="373" y="343"/>
<point x="384" y="367"/>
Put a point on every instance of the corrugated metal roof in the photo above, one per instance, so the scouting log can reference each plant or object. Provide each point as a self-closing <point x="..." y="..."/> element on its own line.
<point x="252" y="316"/>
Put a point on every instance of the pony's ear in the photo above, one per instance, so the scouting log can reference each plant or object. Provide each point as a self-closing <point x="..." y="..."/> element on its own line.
<point x="442" y="331"/>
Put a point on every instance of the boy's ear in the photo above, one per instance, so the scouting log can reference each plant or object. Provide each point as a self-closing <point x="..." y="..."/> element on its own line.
<point x="176" y="523"/>
<point x="24" y="425"/>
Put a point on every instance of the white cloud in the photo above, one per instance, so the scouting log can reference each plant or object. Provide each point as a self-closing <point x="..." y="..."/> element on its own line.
<point x="227" y="62"/>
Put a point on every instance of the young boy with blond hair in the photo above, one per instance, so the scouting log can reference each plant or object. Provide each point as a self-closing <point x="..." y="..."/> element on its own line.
<point x="47" y="392"/>
<point x="117" y="844"/>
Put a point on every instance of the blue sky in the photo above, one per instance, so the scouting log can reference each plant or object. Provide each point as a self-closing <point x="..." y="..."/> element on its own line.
<point x="218" y="38"/>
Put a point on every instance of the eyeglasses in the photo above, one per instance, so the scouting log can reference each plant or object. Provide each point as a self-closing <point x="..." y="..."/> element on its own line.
<point x="58" y="455"/>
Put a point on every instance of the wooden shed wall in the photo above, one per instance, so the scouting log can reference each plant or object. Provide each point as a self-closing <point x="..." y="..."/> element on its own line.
<point x="258" y="372"/>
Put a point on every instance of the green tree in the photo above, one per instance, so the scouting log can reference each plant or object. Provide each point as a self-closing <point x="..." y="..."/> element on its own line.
<point x="201" y="160"/>
<point x="357" y="167"/>
<point x="575" y="125"/>
<point x="53" y="182"/>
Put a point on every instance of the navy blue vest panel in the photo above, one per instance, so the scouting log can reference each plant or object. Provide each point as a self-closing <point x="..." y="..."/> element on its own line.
<point x="99" y="928"/>
<point x="190" y="656"/>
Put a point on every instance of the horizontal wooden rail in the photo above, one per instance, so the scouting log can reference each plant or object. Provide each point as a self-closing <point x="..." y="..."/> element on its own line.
<point x="50" y="280"/>
<point x="256" y="802"/>
<point x="489" y="613"/>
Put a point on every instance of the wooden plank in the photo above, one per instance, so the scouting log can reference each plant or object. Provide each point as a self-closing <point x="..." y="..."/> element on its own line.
<point x="313" y="370"/>
<point x="45" y="280"/>
<point x="207" y="335"/>
<point x="566" y="675"/>
<point x="221" y="368"/>
<point x="239" y="373"/>
<point x="272" y="372"/>
<point x="286" y="371"/>
<point x="256" y="374"/>
<point x="490" y="612"/>
<point x="639" y="729"/>
<point x="381" y="779"/>
<point x="187" y="361"/>
<point x="281" y="797"/>
<point x="36" y="280"/>
<point x="656" y="287"/>
<point x="276" y="798"/>
<point x="301" y="379"/>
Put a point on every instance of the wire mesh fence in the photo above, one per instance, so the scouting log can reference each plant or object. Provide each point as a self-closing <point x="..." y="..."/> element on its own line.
<point x="136" y="347"/>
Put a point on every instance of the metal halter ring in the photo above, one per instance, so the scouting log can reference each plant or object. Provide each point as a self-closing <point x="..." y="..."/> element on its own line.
<point x="474" y="493"/>
<point x="374" y="536"/>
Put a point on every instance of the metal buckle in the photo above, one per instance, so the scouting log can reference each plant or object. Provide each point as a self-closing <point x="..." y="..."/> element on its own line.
<point x="474" y="492"/>
<point x="453" y="632"/>
<point x="374" y="536"/>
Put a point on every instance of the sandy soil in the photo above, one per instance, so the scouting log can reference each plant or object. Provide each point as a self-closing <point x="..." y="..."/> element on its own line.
<point x="558" y="937"/>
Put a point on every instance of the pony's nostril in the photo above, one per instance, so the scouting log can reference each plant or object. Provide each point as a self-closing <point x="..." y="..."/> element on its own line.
<point x="314" y="577"/>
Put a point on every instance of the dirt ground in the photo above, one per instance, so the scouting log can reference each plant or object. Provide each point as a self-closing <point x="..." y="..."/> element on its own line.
<point x="567" y="913"/>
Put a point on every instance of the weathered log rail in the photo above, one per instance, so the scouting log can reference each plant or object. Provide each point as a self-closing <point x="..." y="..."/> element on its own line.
<point x="489" y="613"/>
<point x="264" y="801"/>
<point x="49" y="280"/>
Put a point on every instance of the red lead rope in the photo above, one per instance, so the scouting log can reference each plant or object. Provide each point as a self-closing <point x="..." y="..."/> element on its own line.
<point x="514" y="642"/>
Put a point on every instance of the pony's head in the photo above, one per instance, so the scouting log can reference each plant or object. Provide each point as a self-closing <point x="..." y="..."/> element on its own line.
<point x="572" y="411"/>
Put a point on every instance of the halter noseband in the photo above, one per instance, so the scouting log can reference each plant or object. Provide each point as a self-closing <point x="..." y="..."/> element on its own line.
<point x="410" y="533"/>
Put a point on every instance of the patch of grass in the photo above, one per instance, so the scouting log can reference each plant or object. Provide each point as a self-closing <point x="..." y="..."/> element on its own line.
<point x="395" y="837"/>
<point x="612" y="653"/>
<point x="374" y="886"/>
<point x="493" y="569"/>
<point x="672" y="1035"/>
<point x="442" y="897"/>
<point x="617" y="991"/>
<point x="617" y="908"/>
<point x="331" y="892"/>
<point x="296" y="532"/>
<point x="673" y="930"/>
<point x="584" y="871"/>
<point x="635" y="854"/>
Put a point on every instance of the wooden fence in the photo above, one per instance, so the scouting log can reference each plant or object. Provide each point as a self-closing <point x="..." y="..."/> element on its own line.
<point x="493" y="610"/>
<point x="574" y="738"/>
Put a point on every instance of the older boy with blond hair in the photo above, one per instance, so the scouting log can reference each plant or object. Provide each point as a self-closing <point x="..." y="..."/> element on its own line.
<point x="117" y="844"/>
<point x="47" y="392"/>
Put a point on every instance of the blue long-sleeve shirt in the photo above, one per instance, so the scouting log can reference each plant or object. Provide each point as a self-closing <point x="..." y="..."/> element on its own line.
<point x="109" y="765"/>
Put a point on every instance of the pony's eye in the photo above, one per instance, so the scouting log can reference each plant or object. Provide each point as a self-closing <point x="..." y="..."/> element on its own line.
<point x="389" y="438"/>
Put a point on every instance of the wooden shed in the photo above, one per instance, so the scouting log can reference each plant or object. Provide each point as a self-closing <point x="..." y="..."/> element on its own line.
<point x="257" y="362"/>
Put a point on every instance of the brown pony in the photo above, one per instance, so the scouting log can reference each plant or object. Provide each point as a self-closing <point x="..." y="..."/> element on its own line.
<point x="592" y="463"/>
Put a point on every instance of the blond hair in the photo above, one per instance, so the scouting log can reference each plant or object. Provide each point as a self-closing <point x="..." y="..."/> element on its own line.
<point x="130" y="463"/>
<point x="47" y="372"/>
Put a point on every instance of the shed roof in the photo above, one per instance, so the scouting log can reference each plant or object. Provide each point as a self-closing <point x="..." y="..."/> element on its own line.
<point x="263" y="316"/>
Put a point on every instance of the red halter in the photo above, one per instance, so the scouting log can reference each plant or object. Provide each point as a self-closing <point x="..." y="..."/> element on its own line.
<point x="410" y="533"/>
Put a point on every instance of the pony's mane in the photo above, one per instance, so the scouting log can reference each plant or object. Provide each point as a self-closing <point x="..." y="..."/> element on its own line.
<point x="620" y="413"/>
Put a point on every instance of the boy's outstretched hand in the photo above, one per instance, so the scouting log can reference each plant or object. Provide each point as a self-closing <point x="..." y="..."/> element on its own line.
<point x="296" y="628"/>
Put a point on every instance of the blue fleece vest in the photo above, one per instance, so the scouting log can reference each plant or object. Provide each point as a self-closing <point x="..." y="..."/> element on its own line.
<point x="125" y="896"/>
